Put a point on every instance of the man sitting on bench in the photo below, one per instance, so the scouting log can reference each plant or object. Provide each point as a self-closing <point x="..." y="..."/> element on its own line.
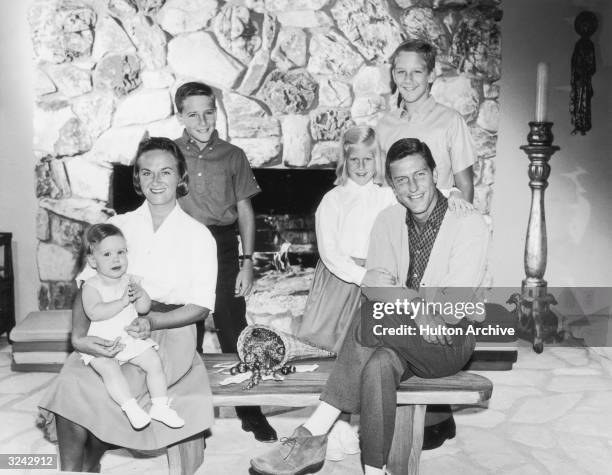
<point x="415" y="244"/>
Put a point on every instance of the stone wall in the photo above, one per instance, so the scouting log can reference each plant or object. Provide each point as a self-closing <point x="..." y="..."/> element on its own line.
<point x="290" y="75"/>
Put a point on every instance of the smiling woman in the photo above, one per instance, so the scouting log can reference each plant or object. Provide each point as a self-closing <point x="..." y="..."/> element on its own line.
<point x="176" y="258"/>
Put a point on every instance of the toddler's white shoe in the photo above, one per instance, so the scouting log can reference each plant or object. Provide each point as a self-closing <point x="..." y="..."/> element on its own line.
<point x="334" y="450"/>
<point x="348" y="437"/>
<point x="136" y="414"/>
<point x="165" y="414"/>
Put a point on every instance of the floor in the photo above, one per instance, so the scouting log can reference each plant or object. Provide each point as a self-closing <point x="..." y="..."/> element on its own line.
<point x="550" y="415"/>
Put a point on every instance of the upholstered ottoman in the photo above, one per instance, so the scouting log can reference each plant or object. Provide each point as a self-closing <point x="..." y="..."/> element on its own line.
<point x="41" y="341"/>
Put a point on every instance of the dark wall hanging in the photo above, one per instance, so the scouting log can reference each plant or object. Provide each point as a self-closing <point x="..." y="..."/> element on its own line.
<point x="583" y="69"/>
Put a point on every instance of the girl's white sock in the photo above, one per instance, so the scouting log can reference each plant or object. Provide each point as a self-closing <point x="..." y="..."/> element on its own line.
<point x="322" y="419"/>
<point x="137" y="416"/>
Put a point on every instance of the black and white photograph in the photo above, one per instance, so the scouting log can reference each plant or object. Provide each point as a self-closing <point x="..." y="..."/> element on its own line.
<point x="287" y="237"/>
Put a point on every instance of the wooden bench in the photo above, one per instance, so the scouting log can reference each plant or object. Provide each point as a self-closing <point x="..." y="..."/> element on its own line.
<point x="303" y="389"/>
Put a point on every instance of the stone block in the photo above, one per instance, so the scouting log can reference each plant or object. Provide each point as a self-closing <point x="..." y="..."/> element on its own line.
<point x="61" y="30"/>
<point x="56" y="262"/>
<point x="369" y="27"/>
<point x="476" y="47"/>
<point x="304" y="19"/>
<point x="484" y="141"/>
<point x="78" y="209"/>
<point x="290" y="49"/>
<point x="422" y="23"/>
<point x="196" y="55"/>
<point x="183" y="16"/>
<point x="42" y="83"/>
<point x="110" y="38"/>
<point x="482" y="198"/>
<point x="460" y="93"/>
<point x="49" y="117"/>
<point x="488" y="115"/>
<point x="297" y="143"/>
<point x="368" y="106"/>
<point x="260" y="151"/>
<point x="490" y="90"/>
<point x="94" y="111"/>
<point x="334" y="93"/>
<point x="237" y="32"/>
<point x="66" y="232"/>
<point x="118" y="145"/>
<point x="329" y="124"/>
<point x="261" y="60"/>
<point x="122" y="8"/>
<point x="51" y="179"/>
<point x="484" y="171"/>
<point x="73" y="139"/>
<point x="169" y="127"/>
<point x="289" y="93"/>
<point x="43" y="232"/>
<point x="141" y="107"/>
<point x="325" y="155"/>
<point x="119" y="73"/>
<point x="414" y="3"/>
<point x="149" y="7"/>
<point x="157" y="78"/>
<point x="149" y="39"/>
<point x="71" y="80"/>
<point x="372" y="80"/>
<point x="284" y="5"/>
<point x="89" y="180"/>
<point x="56" y="295"/>
<point x="331" y="54"/>
<point x="249" y="126"/>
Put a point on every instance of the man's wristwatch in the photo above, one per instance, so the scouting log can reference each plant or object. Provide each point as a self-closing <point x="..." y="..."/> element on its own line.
<point x="247" y="257"/>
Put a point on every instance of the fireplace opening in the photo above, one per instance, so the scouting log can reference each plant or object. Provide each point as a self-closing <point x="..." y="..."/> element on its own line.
<point x="284" y="210"/>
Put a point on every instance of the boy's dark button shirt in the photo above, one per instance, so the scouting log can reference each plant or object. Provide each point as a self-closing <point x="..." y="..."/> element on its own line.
<point x="219" y="176"/>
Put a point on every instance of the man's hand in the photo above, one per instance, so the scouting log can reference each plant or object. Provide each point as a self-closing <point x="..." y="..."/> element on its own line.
<point x="140" y="328"/>
<point x="244" y="279"/>
<point x="96" y="346"/>
<point x="378" y="278"/>
<point x="458" y="204"/>
<point x="435" y="324"/>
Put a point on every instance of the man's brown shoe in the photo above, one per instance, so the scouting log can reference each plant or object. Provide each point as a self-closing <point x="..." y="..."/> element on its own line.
<point x="296" y="455"/>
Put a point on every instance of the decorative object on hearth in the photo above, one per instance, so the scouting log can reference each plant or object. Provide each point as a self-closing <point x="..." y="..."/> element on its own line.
<point x="263" y="350"/>
<point x="583" y="69"/>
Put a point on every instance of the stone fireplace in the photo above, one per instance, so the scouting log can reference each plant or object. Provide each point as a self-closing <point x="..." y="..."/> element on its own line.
<point x="289" y="76"/>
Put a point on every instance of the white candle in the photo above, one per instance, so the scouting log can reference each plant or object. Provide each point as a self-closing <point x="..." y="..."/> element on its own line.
<point x="542" y="93"/>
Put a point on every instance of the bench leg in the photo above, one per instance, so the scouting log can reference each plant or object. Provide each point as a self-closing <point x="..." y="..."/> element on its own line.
<point x="407" y="440"/>
<point x="185" y="457"/>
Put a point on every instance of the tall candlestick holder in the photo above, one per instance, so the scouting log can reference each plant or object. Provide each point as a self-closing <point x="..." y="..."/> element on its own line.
<point x="534" y="290"/>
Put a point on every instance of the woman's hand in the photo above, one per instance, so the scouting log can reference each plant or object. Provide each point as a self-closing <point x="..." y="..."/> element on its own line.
<point x="244" y="280"/>
<point x="378" y="278"/>
<point x="96" y="346"/>
<point x="458" y="204"/>
<point x="140" y="328"/>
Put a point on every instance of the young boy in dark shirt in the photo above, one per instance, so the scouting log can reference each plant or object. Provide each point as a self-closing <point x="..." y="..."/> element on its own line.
<point x="221" y="184"/>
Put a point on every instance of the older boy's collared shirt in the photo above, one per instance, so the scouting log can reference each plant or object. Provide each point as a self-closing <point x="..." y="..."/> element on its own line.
<point x="219" y="177"/>
<point x="420" y="243"/>
<point x="177" y="262"/>
<point x="441" y="128"/>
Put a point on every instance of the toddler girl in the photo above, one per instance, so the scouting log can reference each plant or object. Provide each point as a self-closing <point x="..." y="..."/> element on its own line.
<point x="112" y="300"/>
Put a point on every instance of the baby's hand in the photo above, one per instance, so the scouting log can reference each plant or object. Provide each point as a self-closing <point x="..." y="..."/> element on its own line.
<point x="134" y="291"/>
<point x="457" y="204"/>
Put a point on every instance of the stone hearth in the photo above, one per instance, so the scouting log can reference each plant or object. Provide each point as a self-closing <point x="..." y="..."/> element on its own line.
<point x="289" y="75"/>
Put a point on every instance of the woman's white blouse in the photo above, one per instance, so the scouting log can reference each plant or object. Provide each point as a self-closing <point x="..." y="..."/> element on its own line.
<point x="344" y="220"/>
<point x="177" y="263"/>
